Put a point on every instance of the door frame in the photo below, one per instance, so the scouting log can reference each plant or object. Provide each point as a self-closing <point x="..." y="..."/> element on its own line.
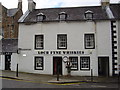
<point x="106" y="65"/>
<point x="60" y="58"/>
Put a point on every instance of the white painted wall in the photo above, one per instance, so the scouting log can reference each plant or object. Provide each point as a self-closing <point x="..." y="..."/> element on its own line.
<point x="118" y="29"/>
<point x="104" y="42"/>
<point x="119" y="40"/>
<point x="2" y="62"/>
<point x="75" y="41"/>
<point x="14" y="60"/>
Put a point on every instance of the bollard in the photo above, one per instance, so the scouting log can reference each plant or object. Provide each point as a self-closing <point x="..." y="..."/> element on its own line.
<point x="91" y="75"/>
<point x="17" y="71"/>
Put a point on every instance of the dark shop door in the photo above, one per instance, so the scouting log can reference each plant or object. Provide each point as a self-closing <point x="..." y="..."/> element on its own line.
<point x="103" y="66"/>
<point x="57" y="65"/>
<point x="7" y="62"/>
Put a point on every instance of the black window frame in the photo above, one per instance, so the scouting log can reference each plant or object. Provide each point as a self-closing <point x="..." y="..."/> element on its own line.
<point x="85" y="45"/>
<point x="35" y="66"/>
<point x="58" y="46"/>
<point x="42" y="42"/>
<point x="81" y="63"/>
<point x="71" y="63"/>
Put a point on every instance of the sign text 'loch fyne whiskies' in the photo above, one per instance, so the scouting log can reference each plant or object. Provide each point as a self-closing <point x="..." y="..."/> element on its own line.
<point x="62" y="52"/>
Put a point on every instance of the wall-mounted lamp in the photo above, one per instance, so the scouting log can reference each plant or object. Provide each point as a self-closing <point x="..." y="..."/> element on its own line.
<point x="24" y="55"/>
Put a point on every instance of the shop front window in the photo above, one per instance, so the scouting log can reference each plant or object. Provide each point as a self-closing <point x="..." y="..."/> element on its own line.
<point x="85" y="63"/>
<point x="74" y="62"/>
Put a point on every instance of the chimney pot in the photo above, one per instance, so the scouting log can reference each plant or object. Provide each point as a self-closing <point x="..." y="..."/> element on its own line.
<point x="105" y="3"/>
<point x="19" y="0"/>
<point x="20" y="4"/>
<point x="31" y="5"/>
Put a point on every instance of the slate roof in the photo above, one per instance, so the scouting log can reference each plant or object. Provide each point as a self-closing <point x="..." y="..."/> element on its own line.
<point x="11" y="12"/>
<point x="73" y="13"/>
<point x="116" y="10"/>
<point x="9" y="45"/>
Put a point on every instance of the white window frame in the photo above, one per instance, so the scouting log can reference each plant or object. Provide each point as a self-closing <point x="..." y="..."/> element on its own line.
<point x="74" y="62"/>
<point x="62" y="16"/>
<point x="89" y="41"/>
<point x="62" y="39"/>
<point x="40" y="17"/>
<point x="39" y="44"/>
<point x="89" y="15"/>
<point x="84" y="63"/>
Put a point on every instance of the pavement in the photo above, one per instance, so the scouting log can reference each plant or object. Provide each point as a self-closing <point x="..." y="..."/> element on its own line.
<point x="40" y="78"/>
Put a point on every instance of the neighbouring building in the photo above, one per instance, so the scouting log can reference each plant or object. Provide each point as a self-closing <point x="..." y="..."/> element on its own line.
<point x="9" y="34"/>
<point x="84" y="37"/>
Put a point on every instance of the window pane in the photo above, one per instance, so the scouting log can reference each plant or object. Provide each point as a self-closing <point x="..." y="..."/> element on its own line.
<point x="89" y="16"/>
<point x="85" y="63"/>
<point x="89" y="41"/>
<point x="38" y="63"/>
<point x="74" y="62"/>
<point x="39" y="41"/>
<point x="39" y="18"/>
<point x="62" y="41"/>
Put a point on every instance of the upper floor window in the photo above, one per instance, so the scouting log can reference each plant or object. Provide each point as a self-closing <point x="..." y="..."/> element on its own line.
<point x="89" y="15"/>
<point x="40" y="17"/>
<point x="39" y="41"/>
<point x="62" y="16"/>
<point x="89" y="41"/>
<point x="62" y="41"/>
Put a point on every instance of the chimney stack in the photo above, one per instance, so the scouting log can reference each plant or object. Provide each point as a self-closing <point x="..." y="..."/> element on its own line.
<point x="20" y="4"/>
<point x="31" y="5"/>
<point x="105" y="3"/>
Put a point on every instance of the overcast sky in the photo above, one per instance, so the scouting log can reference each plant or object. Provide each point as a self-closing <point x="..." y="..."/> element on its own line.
<point x="53" y="3"/>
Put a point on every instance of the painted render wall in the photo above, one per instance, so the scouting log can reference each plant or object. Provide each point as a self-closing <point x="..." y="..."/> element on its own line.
<point x="104" y="42"/>
<point x="2" y="62"/>
<point x="14" y="61"/>
<point x="75" y="41"/>
<point x="118" y="43"/>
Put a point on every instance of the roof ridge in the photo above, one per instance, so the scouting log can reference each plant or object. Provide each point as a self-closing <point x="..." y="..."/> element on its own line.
<point x="67" y="7"/>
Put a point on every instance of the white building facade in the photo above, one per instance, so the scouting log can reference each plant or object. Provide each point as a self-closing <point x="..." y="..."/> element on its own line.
<point x="87" y="37"/>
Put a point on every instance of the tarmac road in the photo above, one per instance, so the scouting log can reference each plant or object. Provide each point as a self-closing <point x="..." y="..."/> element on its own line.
<point x="14" y="83"/>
